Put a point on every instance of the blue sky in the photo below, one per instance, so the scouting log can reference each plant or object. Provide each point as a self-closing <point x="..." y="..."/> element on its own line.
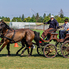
<point x="14" y="8"/>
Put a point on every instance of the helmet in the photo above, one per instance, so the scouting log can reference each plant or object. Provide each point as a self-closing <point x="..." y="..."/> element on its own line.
<point x="52" y="16"/>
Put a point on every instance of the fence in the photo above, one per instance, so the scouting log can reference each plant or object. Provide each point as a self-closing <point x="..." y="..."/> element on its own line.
<point x="29" y="25"/>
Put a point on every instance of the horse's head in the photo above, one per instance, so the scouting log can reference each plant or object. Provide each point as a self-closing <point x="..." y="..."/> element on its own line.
<point x="3" y="26"/>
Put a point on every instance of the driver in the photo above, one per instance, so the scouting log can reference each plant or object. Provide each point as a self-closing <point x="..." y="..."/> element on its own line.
<point x="53" y="22"/>
<point x="53" y="25"/>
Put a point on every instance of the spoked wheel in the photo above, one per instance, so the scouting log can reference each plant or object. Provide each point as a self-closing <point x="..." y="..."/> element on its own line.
<point x="50" y="51"/>
<point x="65" y="49"/>
<point x="59" y="48"/>
<point x="40" y="50"/>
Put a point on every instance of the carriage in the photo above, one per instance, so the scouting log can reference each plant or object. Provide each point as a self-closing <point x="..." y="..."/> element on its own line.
<point x="60" y="47"/>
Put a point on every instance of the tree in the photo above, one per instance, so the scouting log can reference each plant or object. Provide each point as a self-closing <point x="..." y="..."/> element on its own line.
<point x="56" y="16"/>
<point x="37" y="17"/>
<point x="25" y="20"/>
<point x="33" y="19"/>
<point x="28" y="19"/>
<point x="7" y="19"/>
<point x="49" y="14"/>
<point x="17" y="19"/>
<point x="40" y="19"/>
<point x="44" y="15"/>
<point x="61" y="13"/>
<point x="22" y="17"/>
<point x="58" y="19"/>
<point x="46" y="19"/>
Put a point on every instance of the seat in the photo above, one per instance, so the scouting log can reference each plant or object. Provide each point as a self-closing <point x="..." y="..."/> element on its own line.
<point x="54" y="35"/>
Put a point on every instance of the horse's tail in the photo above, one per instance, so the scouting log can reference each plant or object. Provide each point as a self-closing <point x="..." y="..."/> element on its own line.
<point x="37" y="38"/>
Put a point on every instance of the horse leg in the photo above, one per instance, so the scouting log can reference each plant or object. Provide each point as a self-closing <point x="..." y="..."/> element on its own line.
<point x="37" y="42"/>
<point x="1" y="41"/>
<point x="29" y="43"/>
<point x="4" y="44"/>
<point x="8" y="46"/>
<point x="24" y="51"/>
<point x="20" y="48"/>
<point x="28" y="50"/>
<point x="31" y="51"/>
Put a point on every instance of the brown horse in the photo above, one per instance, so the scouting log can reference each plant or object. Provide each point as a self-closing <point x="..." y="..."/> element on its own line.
<point x="9" y="35"/>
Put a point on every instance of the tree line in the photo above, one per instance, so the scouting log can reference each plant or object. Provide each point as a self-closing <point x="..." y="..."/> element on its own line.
<point x="36" y="18"/>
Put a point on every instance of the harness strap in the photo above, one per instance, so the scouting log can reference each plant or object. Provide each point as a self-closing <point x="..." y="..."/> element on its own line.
<point x="13" y="35"/>
<point x="11" y="39"/>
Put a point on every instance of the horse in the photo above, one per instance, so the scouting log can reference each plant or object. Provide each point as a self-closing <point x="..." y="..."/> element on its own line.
<point x="10" y="35"/>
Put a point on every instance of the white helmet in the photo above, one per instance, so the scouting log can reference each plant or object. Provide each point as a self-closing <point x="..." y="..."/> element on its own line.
<point x="52" y="16"/>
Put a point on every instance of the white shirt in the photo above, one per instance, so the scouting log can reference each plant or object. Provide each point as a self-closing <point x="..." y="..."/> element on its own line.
<point x="66" y="26"/>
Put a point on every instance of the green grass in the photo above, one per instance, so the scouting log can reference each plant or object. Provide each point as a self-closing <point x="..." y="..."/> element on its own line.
<point x="41" y="31"/>
<point x="33" y="62"/>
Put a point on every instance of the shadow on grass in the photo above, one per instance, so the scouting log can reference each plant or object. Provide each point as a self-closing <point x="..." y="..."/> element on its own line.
<point x="59" y="55"/>
<point x="2" y="55"/>
<point x="34" y="55"/>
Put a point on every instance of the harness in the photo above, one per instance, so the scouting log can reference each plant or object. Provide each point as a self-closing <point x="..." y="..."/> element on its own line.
<point x="11" y="39"/>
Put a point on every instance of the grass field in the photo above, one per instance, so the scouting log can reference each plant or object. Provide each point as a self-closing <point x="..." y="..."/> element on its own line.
<point x="33" y="62"/>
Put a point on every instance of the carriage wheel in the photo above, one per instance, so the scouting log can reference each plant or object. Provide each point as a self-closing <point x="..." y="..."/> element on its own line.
<point x="59" y="48"/>
<point x="50" y="51"/>
<point x="40" y="50"/>
<point x="65" y="49"/>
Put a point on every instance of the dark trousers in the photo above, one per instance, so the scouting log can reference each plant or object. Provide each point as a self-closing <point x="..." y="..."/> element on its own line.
<point x="48" y="37"/>
<point x="62" y="34"/>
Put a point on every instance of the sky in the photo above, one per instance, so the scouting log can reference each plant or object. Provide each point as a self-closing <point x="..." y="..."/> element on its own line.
<point x="15" y="8"/>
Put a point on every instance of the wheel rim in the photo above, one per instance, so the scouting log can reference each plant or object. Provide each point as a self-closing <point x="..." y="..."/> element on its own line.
<point x="50" y="51"/>
<point x="65" y="49"/>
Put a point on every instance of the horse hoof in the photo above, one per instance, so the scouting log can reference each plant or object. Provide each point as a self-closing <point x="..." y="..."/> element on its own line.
<point x="7" y="56"/>
<point x="29" y="55"/>
<point x="21" y="54"/>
